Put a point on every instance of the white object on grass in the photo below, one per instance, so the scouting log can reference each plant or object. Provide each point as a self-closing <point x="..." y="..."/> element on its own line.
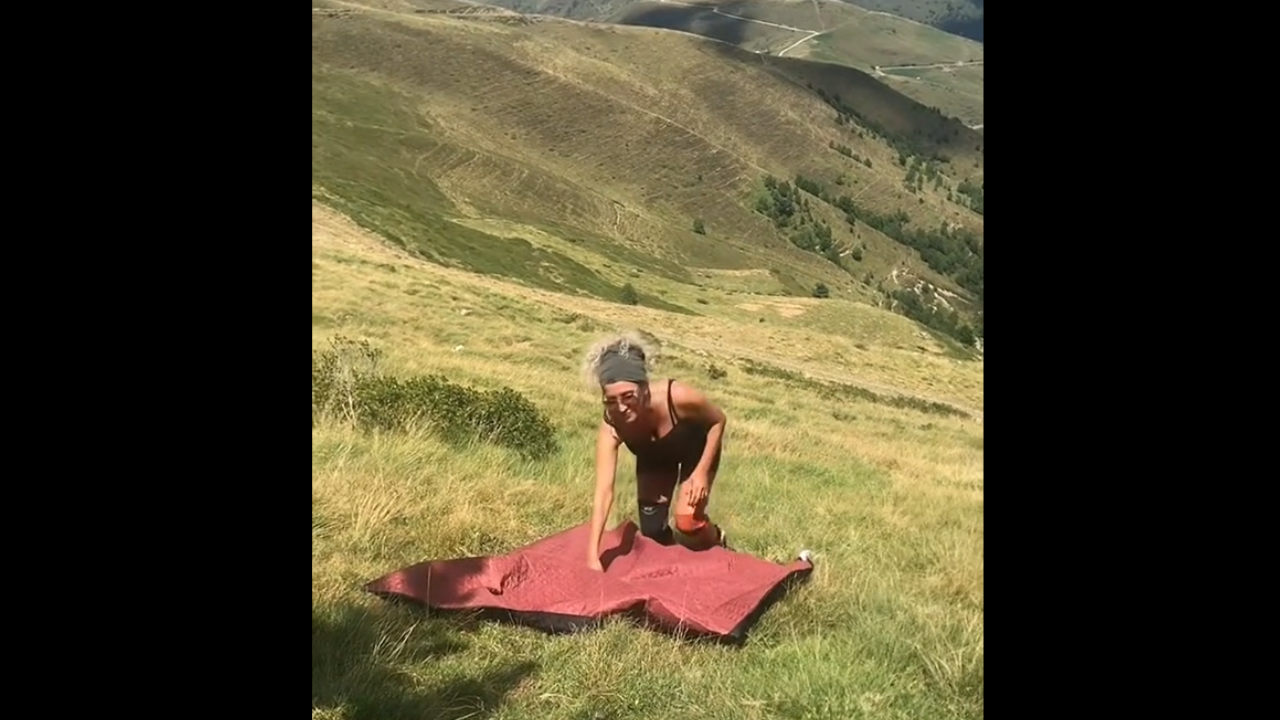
<point x="806" y="556"/>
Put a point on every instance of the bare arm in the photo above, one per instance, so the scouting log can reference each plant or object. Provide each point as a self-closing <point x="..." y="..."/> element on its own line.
<point x="693" y="405"/>
<point x="607" y="443"/>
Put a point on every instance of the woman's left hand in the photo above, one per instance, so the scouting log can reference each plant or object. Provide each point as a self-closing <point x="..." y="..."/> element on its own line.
<point x="697" y="488"/>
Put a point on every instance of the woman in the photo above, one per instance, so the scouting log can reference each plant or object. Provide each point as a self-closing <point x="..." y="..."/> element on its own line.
<point x="675" y="434"/>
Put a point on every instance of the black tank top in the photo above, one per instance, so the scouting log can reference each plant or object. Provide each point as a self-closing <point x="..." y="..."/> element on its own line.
<point x="684" y="443"/>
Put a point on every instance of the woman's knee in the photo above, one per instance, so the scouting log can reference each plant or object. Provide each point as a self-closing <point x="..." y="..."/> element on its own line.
<point x="691" y="523"/>
<point x="653" y="521"/>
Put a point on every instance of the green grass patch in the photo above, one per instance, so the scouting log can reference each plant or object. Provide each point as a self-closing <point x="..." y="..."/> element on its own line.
<point x="841" y="391"/>
<point x="620" y="253"/>
<point x="346" y="383"/>
<point x="790" y="285"/>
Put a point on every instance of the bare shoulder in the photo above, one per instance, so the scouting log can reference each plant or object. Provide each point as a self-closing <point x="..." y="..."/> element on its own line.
<point x="684" y="395"/>
<point x="691" y="402"/>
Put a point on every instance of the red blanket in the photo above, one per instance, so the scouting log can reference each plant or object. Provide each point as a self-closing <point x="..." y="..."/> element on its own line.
<point x="714" y="592"/>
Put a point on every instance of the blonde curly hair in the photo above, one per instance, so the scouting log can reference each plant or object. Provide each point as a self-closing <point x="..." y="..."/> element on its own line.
<point x="623" y="342"/>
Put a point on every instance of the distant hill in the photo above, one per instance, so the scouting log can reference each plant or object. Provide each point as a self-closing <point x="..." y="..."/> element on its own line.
<point x="935" y="67"/>
<point x="961" y="17"/>
<point x="580" y="158"/>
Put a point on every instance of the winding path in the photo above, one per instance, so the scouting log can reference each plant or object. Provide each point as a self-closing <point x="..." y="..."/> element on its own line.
<point x="924" y="66"/>
<point x="879" y="71"/>
<point x="810" y="34"/>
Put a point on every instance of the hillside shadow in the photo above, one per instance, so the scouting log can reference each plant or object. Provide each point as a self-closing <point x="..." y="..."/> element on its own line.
<point x="967" y="28"/>
<point x="358" y="662"/>
<point x="699" y="21"/>
<point x="907" y="124"/>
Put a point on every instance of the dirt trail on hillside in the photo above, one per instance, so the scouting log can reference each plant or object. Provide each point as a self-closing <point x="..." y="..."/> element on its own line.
<point x="924" y="66"/>
<point x="811" y="33"/>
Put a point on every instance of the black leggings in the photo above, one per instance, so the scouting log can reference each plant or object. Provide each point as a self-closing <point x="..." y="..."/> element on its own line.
<point x="662" y="481"/>
<point x="653" y="522"/>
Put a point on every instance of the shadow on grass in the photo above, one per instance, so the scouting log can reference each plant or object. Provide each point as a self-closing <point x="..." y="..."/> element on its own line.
<point x="362" y="663"/>
<point x="697" y="20"/>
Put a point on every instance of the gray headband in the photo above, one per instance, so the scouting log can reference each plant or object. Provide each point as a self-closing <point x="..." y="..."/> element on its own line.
<point x="618" y="367"/>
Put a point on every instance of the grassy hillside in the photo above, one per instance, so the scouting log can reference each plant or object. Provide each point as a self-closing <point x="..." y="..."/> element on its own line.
<point x="825" y="30"/>
<point x="885" y="489"/>
<point x="604" y="150"/>
<point x="956" y="86"/>
<point x="960" y="17"/>
<point x="490" y="193"/>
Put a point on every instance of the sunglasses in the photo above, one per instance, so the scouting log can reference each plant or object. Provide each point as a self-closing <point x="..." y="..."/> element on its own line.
<point x="627" y="398"/>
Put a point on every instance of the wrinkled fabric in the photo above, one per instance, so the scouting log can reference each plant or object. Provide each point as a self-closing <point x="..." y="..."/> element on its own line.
<point x="547" y="584"/>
